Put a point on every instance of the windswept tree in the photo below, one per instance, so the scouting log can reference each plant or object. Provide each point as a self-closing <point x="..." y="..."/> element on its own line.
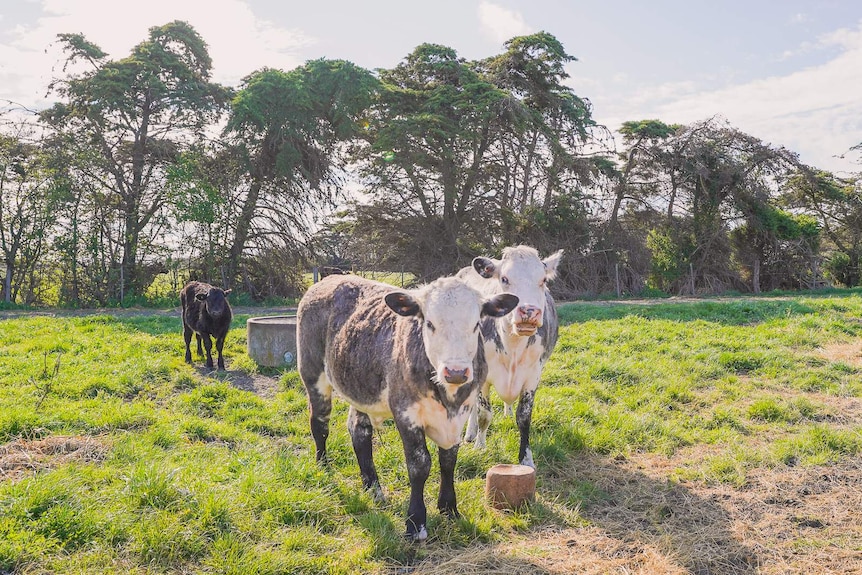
<point x="28" y="203"/>
<point x="707" y="178"/>
<point x="291" y="130"/>
<point x="836" y="203"/>
<point x="476" y="155"/>
<point x="136" y="114"/>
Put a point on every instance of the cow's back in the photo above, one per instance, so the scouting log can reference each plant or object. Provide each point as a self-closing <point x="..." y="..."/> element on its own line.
<point x="345" y="327"/>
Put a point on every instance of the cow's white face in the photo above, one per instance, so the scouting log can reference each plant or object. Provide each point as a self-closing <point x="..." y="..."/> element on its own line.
<point x="521" y="272"/>
<point x="450" y="312"/>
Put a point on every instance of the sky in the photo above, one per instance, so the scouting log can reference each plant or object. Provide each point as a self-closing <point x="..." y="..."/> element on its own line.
<point x="788" y="72"/>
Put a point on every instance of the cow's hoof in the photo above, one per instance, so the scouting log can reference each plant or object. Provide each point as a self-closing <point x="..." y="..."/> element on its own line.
<point x="418" y="536"/>
<point x="377" y="494"/>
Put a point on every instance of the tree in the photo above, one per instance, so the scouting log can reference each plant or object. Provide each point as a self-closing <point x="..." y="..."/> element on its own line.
<point x="837" y="205"/>
<point x="470" y="152"/>
<point x="137" y="113"/>
<point x="707" y="178"/>
<point x="291" y="129"/>
<point x="27" y="211"/>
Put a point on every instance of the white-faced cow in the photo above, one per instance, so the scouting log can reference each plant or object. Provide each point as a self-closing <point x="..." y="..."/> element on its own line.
<point x="518" y="345"/>
<point x="206" y="312"/>
<point x="413" y="356"/>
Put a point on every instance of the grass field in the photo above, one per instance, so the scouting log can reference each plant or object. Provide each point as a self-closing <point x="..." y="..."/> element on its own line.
<point x="719" y="436"/>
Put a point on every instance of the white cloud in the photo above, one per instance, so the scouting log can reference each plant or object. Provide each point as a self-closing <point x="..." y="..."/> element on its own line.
<point x="815" y="111"/>
<point x="500" y="24"/>
<point x="239" y="42"/>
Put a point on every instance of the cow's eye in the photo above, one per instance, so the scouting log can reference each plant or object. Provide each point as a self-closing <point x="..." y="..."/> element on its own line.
<point x="429" y="325"/>
<point x="505" y="280"/>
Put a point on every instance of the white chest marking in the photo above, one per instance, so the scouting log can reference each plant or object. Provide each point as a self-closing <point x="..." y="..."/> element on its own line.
<point x="511" y="370"/>
<point x="430" y="415"/>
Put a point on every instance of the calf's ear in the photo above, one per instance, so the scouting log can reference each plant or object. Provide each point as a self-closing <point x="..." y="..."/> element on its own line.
<point x="401" y="303"/>
<point x="227" y="291"/>
<point x="500" y="305"/>
<point x="485" y="267"/>
<point x="200" y="296"/>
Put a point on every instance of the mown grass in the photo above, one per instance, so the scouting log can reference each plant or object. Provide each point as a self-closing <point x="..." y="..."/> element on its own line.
<point x="199" y="476"/>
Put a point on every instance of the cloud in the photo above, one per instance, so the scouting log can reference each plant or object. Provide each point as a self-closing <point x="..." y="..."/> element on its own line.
<point x="500" y="24"/>
<point x="814" y="111"/>
<point x="239" y="42"/>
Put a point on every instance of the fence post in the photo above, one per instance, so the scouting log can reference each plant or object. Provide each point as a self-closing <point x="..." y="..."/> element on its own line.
<point x="691" y="272"/>
<point x="314" y="274"/>
<point x="617" y="277"/>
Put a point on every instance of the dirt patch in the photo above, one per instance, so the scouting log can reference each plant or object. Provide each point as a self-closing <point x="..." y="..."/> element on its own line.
<point x="849" y="353"/>
<point x="22" y="457"/>
<point x="262" y="385"/>
<point x="787" y="520"/>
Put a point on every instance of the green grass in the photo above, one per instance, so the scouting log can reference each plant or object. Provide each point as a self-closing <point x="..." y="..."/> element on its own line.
<point x="199" y="476"/>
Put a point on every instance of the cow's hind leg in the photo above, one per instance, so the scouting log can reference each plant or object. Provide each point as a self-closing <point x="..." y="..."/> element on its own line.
<point x="480" y="418"/>
<point x="418" y="468"/>
<point x="319" y="392"/>
<point x="446" y="500"/>
<point x="523" y="418"/>
<point x="361" y="431"/>
<point x="200" y="348"/>
<point x="187" y="336"/>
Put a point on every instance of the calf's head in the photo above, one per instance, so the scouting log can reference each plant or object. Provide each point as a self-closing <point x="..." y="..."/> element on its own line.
<point x="521" y="272"/>
<point x="450" y="311"/>
<point x="215" y="301"/>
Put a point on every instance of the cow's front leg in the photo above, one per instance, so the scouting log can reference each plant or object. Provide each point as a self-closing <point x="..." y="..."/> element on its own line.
<point x="523" y="417"/>
<point x="418" y="468"/>
<point x="219" y="343"/>
<point x="208" y="345"/>
<point x="446" y="500"/>
<point x="361" y="431"/>
<point x="480" y="418"/>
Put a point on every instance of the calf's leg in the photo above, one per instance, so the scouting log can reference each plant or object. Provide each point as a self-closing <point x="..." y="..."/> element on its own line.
<point x="200" y="349"/>
<point x="208" y="344"/>
<point x="523" y="418"/>
<point x="187" y="335"/>
<point x="418" y="468"/>
<point x="480" y="418"/>
<point x="361" y="431"/>
<point x="219" y="346"/>
<point x="446" y="500"/>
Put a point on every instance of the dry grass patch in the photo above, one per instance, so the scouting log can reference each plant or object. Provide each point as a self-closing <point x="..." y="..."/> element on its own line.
<point x="22" y="457"/>
<point x="849" y="352"/>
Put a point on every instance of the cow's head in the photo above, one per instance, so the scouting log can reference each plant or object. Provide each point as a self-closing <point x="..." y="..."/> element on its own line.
<point x="450" y="311"/>
<point x="521" y="272"/>
<point x="215" y="301"/>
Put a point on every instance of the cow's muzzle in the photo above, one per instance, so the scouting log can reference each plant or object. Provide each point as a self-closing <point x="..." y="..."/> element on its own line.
<point x="456" y="376"/>
<point x="527" y="319"/>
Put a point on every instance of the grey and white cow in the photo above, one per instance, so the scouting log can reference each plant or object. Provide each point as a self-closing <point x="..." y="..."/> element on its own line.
<point x="414" y="356"/>
<point x="517" y="346"/>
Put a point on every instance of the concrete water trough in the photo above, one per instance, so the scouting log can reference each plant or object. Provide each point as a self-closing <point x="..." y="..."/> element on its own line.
<point x="271" y="340"/>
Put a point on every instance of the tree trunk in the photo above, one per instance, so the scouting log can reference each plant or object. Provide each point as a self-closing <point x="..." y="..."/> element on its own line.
<point x="7" y="281"/>
<point x="243" y="226"/>
<point x="755" y="275"/>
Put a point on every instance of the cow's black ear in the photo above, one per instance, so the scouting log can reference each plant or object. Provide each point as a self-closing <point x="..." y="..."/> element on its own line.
<point x="500" y="305"/>
<point x="200" y="296"/>
<point x="484" y="267"/>
<point x="401" y="303"/>
<point x="227" y="291"/>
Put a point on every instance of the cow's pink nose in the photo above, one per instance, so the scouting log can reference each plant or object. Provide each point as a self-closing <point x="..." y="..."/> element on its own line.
<point x="456" y="376"/>
<point x="529" y="313"/>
